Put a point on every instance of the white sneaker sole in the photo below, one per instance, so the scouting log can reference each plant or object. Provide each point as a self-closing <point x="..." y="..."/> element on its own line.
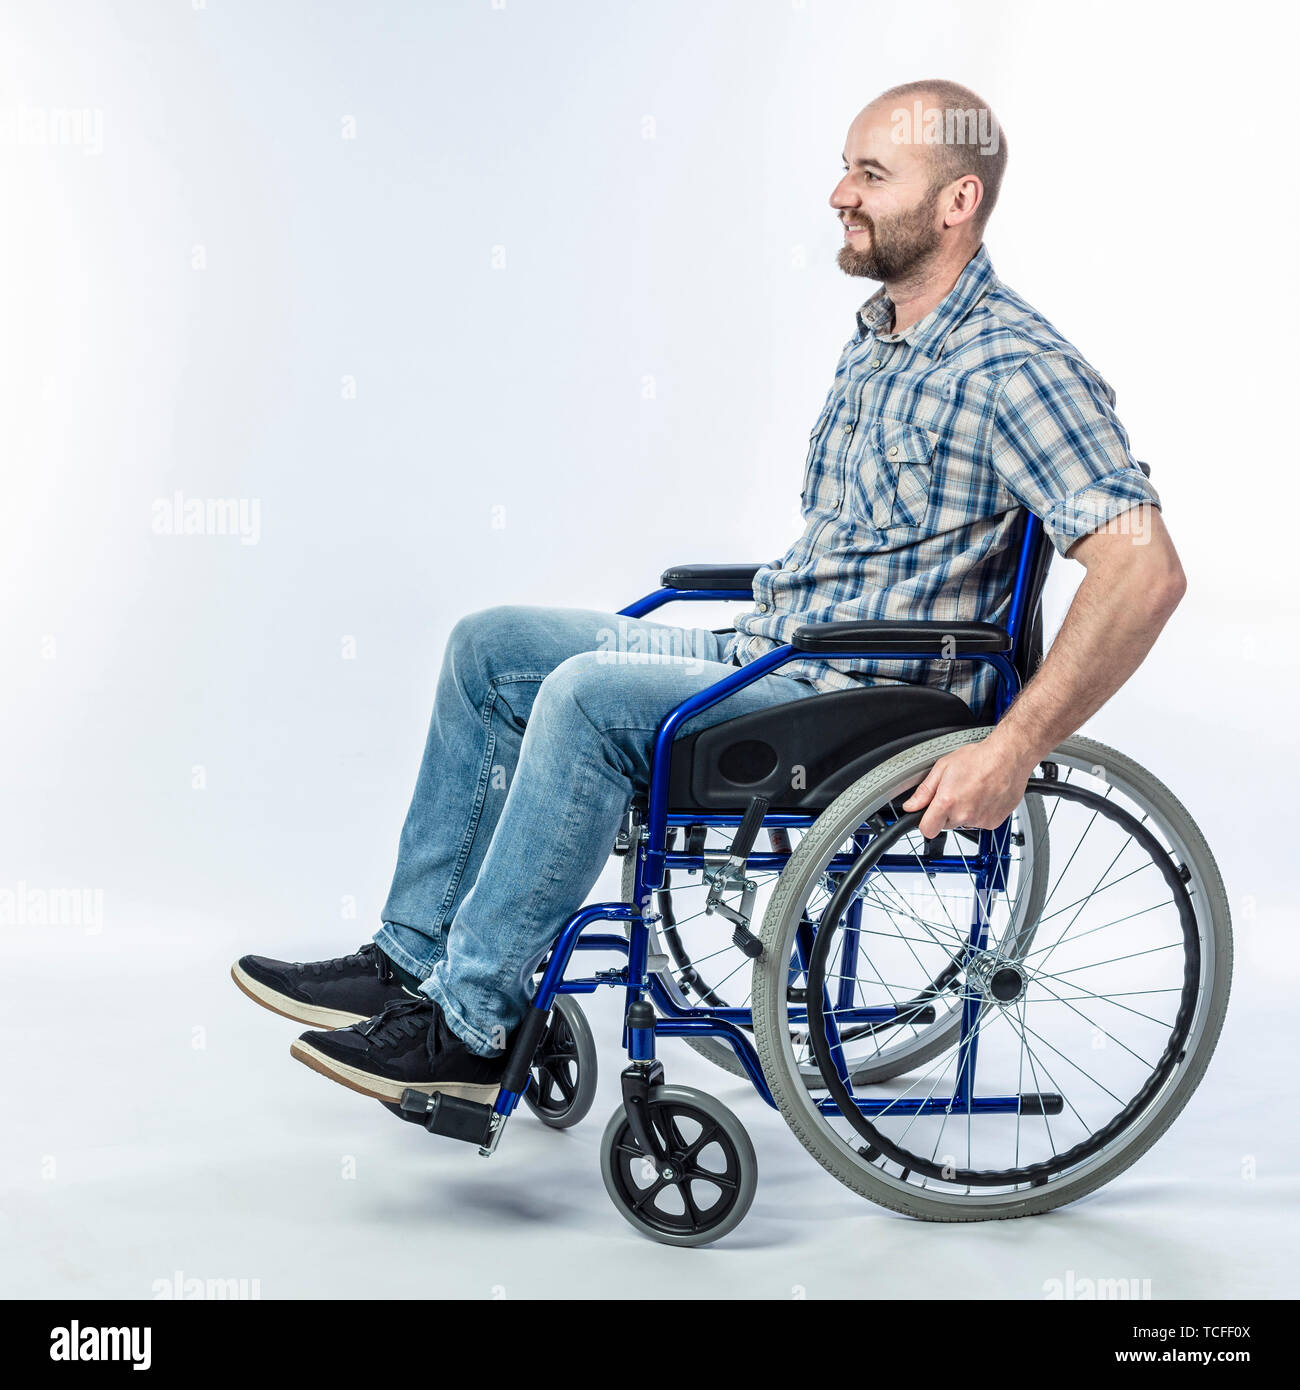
<point x="286" y="1007"/>
<point x="380" y="1088"/>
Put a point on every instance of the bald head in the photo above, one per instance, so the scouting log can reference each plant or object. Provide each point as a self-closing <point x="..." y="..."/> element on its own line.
<point x="955" y="131"/>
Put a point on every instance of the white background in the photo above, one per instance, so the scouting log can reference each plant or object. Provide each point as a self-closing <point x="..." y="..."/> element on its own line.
<point x="558" y="314"/>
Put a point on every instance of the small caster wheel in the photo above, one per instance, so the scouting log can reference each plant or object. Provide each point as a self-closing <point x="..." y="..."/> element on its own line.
<point x="708" y="1181"/>
<point x="562" y="1084"/>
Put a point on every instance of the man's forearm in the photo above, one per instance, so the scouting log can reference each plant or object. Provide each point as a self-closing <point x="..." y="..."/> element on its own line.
<point x="1115" y="618"/>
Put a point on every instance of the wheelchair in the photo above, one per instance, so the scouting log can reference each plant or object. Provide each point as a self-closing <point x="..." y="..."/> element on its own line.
<point x="982" y="1025"/>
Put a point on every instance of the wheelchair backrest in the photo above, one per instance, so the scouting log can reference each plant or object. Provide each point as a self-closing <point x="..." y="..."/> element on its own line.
<point x="1025" y="618"/>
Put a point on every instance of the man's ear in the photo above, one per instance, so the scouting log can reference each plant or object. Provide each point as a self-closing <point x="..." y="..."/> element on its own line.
<point x="965" y="197"/>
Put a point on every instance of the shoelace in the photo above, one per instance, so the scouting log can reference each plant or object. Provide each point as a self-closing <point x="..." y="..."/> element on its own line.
<point x="369" y="954"/>
<point x="401" y="1020"/>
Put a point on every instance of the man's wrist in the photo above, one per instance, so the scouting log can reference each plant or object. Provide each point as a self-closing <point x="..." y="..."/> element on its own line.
<point x="1017" y="747"/>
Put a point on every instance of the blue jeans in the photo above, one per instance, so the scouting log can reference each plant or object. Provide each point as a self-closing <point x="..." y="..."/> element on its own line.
<point x="542" y="730"/>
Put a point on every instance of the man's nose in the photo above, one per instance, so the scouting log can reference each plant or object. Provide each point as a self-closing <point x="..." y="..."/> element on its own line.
<point x="843" y="195"/>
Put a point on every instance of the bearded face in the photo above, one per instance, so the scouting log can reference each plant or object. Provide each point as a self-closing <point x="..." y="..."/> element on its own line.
<point x="890" y="247"/>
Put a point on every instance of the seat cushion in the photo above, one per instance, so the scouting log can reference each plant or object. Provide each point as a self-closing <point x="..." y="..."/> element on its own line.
<point x="801" y="755"/>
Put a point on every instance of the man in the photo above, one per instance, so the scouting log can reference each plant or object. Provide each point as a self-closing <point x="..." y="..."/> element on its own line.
<point x="954" y="406"/>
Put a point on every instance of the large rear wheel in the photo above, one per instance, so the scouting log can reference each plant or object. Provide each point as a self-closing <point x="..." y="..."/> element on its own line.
<point x="1082" y="1033"/>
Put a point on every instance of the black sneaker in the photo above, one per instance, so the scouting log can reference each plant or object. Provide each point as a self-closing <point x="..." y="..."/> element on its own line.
<point x="327" y="993"/>
<point x="407" y="1046"/>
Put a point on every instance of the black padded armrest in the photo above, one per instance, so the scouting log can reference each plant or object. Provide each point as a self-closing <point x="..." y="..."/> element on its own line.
<point x="901" y="638"/>
<point x="739" y="578"/>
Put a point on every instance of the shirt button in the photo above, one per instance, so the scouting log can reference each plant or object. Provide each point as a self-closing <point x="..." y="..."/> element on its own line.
<point x="762" y="608"/>
<point x="875" y="362"/>
<point x="893" y="453"/>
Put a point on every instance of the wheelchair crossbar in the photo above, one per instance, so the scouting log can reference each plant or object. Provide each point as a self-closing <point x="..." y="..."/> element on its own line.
<point x="894" y="863"/>
<point x="942" y="1105"/>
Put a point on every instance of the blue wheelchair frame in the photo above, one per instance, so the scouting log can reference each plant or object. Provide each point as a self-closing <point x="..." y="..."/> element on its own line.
<point x="671" y="1019"/>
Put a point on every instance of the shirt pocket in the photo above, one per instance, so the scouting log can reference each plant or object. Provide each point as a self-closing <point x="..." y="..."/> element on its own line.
<point x="814" y="439"/>
<point x="892" y="487"/>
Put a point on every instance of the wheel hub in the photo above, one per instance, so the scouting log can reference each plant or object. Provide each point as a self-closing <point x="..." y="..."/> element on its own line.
<point x="1001" y="982"/>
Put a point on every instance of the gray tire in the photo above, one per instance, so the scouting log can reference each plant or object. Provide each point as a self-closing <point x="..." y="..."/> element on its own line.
<point x="572" y="1071"/>
<point x="731" y="1142"/>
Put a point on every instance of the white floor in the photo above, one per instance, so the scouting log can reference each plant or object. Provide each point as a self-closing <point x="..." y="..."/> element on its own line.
<point x="156" y="1128"/>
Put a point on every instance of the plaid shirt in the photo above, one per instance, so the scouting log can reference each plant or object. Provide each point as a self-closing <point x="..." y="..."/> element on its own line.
<point x="929" y="443"/>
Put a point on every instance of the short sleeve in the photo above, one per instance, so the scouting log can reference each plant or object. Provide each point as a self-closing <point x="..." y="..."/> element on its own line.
<point x="1060" y="449"/>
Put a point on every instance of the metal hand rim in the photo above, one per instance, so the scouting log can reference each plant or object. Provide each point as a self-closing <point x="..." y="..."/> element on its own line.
<point x="1036" y="1173"/>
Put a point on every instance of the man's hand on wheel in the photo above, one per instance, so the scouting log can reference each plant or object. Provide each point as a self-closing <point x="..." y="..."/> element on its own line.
<point x="978" y="785"/>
